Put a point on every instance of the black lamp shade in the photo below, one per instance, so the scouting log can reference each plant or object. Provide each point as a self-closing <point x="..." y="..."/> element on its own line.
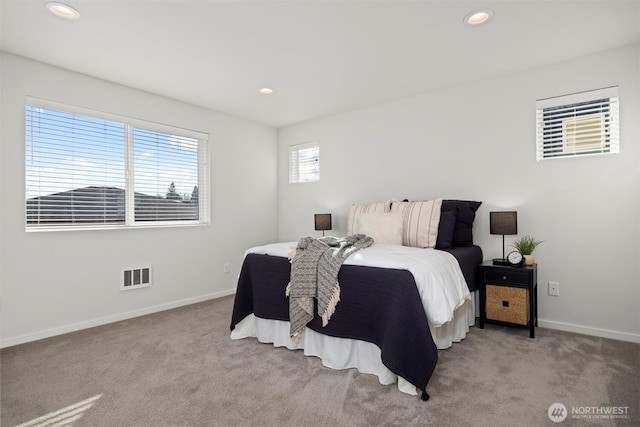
<point x="503" y="223"/>
<point x="322" y="221"/>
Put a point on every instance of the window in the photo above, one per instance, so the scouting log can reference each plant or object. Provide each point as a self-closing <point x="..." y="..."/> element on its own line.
<point x="580" y="124"/>
<point x="89" y="169"/>
<point x="304" y="162"/>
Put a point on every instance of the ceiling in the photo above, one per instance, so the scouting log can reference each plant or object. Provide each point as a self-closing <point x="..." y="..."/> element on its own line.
<point x="321" y="57"/>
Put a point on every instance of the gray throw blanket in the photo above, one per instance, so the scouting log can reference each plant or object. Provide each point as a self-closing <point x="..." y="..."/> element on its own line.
<point x="314" y="274"/>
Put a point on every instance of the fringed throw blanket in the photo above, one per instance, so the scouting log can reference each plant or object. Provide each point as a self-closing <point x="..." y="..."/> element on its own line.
<point x="314" y="274"/>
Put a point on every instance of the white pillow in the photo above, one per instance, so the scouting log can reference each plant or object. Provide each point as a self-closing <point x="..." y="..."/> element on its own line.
<point x="421" y="221"/>
<point x="385" y="228"/>
<point x="357" y="210"/>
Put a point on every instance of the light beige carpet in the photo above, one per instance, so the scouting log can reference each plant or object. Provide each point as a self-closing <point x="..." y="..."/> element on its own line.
<point x="179" y="368"/>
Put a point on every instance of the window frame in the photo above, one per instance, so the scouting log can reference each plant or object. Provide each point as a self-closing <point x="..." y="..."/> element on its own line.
<point x="577" y="125"/>
<point x="296" y="176"/>
<point x="203" y="168"/>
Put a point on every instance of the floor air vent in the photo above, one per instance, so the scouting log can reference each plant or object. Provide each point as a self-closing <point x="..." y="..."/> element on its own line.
<point x="134" y="278"/>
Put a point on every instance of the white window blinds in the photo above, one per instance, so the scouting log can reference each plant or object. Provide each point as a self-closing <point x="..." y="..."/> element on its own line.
<point x="580" y="124"/>
<point x="89" y="169"/>
<point x="304" y="162"/>
<point x="165" y="176"/>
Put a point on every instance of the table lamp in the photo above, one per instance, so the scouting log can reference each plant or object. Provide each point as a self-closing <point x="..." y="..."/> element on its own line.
<point x="503" y="223"/>
<point x="322" y="222"/>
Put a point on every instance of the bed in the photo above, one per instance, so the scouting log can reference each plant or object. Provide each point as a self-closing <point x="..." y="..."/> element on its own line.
<point x="401" y="300"/>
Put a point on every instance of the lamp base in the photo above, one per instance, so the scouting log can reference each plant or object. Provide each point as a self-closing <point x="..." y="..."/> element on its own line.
<point x="500" y="261"/>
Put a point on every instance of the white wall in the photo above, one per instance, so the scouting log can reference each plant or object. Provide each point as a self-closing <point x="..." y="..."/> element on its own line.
<point x="477" y="142"/>
<point x="61" y="281"/>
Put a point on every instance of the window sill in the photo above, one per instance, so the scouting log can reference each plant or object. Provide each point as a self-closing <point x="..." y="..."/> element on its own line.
<point x="46" y="228"/>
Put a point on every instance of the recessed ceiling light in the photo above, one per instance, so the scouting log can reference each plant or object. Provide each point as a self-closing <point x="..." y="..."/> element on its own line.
<point x="478" y="17"/>
<point x="266" y="90"/>
<point x="62" y="10"/>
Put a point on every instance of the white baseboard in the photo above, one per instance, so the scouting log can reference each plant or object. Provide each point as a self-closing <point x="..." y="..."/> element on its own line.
<point x="59" y="330"/>
<point x="47" y="333"/>
<point x="604" y="333"/>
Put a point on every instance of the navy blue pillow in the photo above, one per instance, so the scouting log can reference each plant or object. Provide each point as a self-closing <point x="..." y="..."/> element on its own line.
<point x="463" y="233"/>
<point x="446" y="228"/>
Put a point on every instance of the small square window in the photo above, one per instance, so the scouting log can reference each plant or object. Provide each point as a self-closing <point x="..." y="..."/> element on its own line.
<point x="304" y="163"/>
<point x="580" y="124"/>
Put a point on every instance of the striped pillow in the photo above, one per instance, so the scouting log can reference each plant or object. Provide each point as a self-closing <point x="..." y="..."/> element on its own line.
<point x="421" y="220"/>
<point x="356" y="210"/>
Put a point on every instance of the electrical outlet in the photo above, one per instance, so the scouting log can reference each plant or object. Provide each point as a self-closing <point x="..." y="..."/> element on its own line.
<point x="554" y="289"/>
<point x="227" y="268"/>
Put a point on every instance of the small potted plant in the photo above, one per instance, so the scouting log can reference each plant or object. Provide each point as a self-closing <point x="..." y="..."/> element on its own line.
<point x="525" y="245"/>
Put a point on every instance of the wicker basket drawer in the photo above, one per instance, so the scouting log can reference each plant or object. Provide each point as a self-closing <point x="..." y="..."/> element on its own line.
<point x="508" y="304"/>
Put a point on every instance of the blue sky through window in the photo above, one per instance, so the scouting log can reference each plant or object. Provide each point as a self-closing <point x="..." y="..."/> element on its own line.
<point x="66" y="151"/>
<point x="161" y="159"/>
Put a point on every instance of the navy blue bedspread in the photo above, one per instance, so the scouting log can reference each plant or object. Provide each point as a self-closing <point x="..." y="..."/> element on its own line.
<point x="378" y="305"/>
<point x="468" y="257"/>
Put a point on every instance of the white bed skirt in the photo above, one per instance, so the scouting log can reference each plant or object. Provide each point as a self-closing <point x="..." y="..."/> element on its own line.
<point x="344" y="353"/>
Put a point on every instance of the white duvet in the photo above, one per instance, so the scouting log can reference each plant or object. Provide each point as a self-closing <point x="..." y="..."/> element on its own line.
<point x="437" y="274"/>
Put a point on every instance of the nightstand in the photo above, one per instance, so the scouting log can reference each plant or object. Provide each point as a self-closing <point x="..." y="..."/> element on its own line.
<point x="509" y="295"/>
